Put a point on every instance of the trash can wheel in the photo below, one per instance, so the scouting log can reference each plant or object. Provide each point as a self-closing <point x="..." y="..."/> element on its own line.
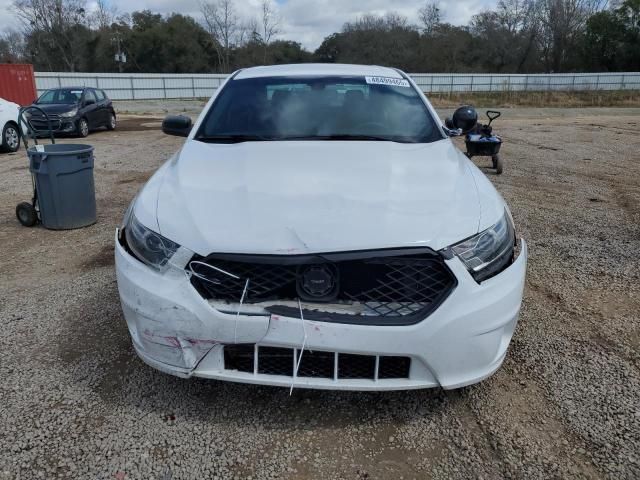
<point x="26" y="214"/>
<point x="497" y="164"/>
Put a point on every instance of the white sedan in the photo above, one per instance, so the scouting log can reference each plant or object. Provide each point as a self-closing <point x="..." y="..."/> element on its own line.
<point x="319" y="229"/>
<point x="10" y="141"/>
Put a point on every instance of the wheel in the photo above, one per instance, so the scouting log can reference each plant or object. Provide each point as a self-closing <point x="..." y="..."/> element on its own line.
<point x="497" y="164"/>
<point x="26" y="214"/>
<point x="112" y="122"/>
<point x="10" y="138"/>
<point x="83" y="127"/>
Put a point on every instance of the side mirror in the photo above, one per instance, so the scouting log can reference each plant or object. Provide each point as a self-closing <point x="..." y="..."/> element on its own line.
<point x="89" y="101"/>
<point x="452" y="132"/>
<point x="178" y="125"/>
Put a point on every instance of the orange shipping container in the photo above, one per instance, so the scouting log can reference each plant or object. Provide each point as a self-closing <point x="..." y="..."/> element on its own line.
<point x="17" y="83"/>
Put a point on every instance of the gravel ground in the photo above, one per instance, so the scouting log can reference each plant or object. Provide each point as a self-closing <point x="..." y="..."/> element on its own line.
<point x="77" y="403"/>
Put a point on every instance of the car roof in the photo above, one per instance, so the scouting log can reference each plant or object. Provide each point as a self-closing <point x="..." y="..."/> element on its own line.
<point x="318" y="69"/>
<point x="71" y="87"/>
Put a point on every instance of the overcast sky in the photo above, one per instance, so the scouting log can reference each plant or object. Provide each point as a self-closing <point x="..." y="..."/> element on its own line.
<point x="305" y="21"/>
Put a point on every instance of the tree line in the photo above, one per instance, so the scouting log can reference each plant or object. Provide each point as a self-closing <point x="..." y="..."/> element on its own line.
<point x="518" y="36"/>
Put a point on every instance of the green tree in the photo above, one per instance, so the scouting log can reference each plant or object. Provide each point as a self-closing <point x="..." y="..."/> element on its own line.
<point x="603" y="41"/>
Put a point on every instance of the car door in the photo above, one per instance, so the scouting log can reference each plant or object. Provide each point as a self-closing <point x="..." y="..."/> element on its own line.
<point x="90" y="108"/>
<point x="103" y="107"/>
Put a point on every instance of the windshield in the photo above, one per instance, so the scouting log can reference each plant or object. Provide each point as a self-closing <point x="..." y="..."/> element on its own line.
<point x="71" y="95"/>
<point x="318" y="108"/>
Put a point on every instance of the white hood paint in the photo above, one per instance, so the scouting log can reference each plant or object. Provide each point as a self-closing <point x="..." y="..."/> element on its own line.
<point x="299" y="197"/>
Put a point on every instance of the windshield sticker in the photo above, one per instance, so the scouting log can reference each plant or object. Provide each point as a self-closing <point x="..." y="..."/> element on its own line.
<point x="393" y="82"/>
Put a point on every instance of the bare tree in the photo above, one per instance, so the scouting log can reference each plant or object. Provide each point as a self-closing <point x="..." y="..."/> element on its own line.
<point x="429" y="16"/>
<point x="561" y="22"/>
<point x="12" y="47"/>
<point x="373" y="22"/>
<point x="223" y="24"/>
<point x="103" y="15"/>
<point x="514" y="14"/>
<point x="520" y="18"/>
<point x="53" y="22"/>
<point x="270" y="25"/>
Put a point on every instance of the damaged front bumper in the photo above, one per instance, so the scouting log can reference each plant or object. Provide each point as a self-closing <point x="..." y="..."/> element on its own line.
<point x="175" y="330"/>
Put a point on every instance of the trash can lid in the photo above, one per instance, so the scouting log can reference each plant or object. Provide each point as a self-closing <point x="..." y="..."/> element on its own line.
<point x="61" y="149"/>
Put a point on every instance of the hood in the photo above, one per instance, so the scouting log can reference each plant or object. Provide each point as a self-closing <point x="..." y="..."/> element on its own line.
<point x="309" y="197"/>
<point x="7" y="104"/>
<point x="55" y="107"/>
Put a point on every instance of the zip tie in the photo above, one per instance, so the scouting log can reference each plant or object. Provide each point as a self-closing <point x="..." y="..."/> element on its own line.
<point x="304" y="342"/>
<point x="202" y="277"/>
<point x="235" y="328"/>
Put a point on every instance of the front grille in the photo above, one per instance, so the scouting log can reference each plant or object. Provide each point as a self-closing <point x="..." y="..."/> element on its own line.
<point x="387" y="286"/>
<point x="314" y="364"/>
<point x="39" y="122"/>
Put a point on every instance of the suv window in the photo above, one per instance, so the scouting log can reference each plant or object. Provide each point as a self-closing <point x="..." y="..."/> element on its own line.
<point x="319" y="108"/>
<point x="100" y="94"/>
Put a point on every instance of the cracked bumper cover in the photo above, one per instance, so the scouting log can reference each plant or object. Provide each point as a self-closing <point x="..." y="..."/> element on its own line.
<point x="464" y="341"/>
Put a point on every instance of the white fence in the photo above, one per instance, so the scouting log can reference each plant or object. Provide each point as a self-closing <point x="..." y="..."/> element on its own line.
<point x="124" y="86"/>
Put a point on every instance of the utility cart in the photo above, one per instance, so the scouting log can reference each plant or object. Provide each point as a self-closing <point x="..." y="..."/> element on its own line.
<point x="481" y="142"/>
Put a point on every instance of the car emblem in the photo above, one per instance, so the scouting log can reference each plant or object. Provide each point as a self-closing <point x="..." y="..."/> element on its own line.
<point x="318" y="282"/>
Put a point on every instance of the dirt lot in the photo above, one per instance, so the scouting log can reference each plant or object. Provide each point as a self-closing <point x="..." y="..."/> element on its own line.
<point x="77" y="403"/>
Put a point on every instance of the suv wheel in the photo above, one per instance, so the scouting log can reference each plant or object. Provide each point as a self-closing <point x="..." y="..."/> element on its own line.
<point x="83" y="127"/>
<point x="10" y="138"/>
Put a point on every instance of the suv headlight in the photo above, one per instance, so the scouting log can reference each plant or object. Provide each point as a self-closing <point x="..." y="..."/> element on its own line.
<point x="148" y="246"/>
<point x="490" y="251"/>
<point x="70" y="113"/>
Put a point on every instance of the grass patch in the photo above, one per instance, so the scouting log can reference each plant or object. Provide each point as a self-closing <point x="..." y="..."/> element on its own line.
<point x="629" y="98"/>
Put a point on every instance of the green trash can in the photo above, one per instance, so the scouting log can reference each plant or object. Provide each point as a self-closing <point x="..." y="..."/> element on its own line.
<point x="63" y="175"/>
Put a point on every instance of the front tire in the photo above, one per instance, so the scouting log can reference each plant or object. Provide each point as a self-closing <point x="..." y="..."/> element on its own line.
<point x="111" y="125"/>
<point x="83" y="128"/>
<point x="10" y="138"/>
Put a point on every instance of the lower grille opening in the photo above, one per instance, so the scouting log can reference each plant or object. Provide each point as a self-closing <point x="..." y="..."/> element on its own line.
<point x="314" y="363"/>
<point x="239" y="357"/>
<point x="356" y="366"/>
<point x="394" y="367"/>
<point x="275" y="361"/>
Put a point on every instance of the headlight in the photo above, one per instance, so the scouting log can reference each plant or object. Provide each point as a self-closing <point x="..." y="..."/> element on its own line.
<point x="127" y="215"/>
<point x="148" y="246"/>
<point x="71" y="113"/>
<point x="489" y="252"/>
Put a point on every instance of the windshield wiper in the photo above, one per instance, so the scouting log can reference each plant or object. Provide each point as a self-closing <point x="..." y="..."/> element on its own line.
<point x="230" y="138"/>
<point x="238" y="138"/>
<point x="346" y="137"/>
